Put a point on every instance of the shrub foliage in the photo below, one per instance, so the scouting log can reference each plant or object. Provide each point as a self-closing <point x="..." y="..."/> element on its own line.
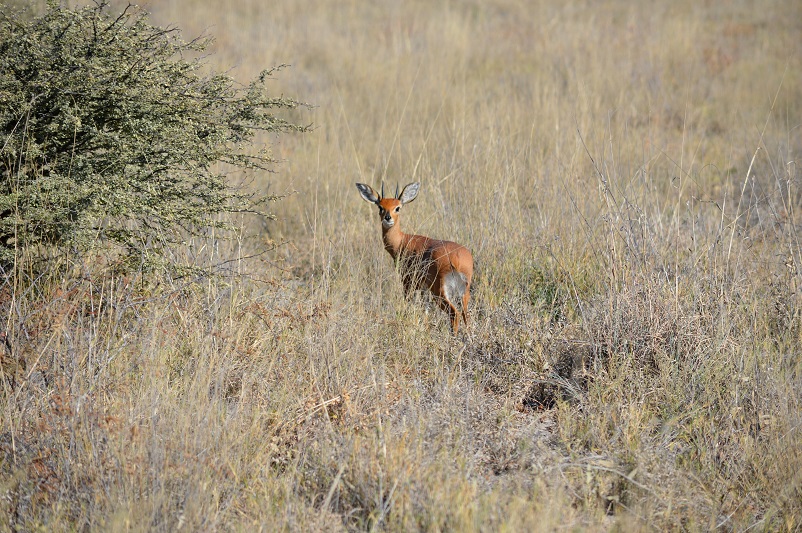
<point x="114" y="134"/>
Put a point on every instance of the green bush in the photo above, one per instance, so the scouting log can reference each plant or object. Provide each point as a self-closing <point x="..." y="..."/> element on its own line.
<point x="113" y="135"/>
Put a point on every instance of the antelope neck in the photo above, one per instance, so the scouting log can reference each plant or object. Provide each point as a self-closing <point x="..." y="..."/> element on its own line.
<point x="394" y="239"/>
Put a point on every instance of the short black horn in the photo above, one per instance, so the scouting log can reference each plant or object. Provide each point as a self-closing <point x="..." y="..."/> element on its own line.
<point x="396" y="191"/>
<point x="382" y="188"/>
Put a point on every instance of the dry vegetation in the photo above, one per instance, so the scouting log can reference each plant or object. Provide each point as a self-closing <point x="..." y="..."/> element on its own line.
<point x="626" y="176"/>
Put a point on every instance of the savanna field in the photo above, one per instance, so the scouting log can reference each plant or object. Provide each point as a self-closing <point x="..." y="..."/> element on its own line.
<point x="626" y="176"/>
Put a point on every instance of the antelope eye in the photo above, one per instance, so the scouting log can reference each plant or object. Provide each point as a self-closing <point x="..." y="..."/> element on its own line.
<point x="397" y="209"/>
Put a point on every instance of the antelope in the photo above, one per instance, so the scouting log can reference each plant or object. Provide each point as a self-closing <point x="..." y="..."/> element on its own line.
<point x="443" y="267"/>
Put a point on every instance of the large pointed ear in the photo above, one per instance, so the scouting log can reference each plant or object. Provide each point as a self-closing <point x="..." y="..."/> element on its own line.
<point x="409" y="193"/>
<point x="368" y="194"/>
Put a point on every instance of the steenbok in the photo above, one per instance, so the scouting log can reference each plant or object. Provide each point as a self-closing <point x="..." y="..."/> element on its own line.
<point x="443" y="267"/>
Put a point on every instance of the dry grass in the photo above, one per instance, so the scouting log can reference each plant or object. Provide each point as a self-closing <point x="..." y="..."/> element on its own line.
<point x="626" y="177"/>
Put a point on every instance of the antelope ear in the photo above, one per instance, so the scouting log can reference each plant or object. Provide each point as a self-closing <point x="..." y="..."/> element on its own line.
<point x="409" y="193"/>
<point x="367" y="193"/>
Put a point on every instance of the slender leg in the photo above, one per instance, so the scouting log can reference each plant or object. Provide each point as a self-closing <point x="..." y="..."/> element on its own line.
<point x="449" y="308"/>
<point x="466" y="298"/>
<point x="407" y="289"/>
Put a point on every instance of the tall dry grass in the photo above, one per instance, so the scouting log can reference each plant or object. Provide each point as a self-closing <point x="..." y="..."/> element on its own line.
<point x="626" y="177"/>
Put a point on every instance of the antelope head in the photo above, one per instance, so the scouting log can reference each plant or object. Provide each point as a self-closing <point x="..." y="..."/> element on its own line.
<point x="389" y="208"/>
